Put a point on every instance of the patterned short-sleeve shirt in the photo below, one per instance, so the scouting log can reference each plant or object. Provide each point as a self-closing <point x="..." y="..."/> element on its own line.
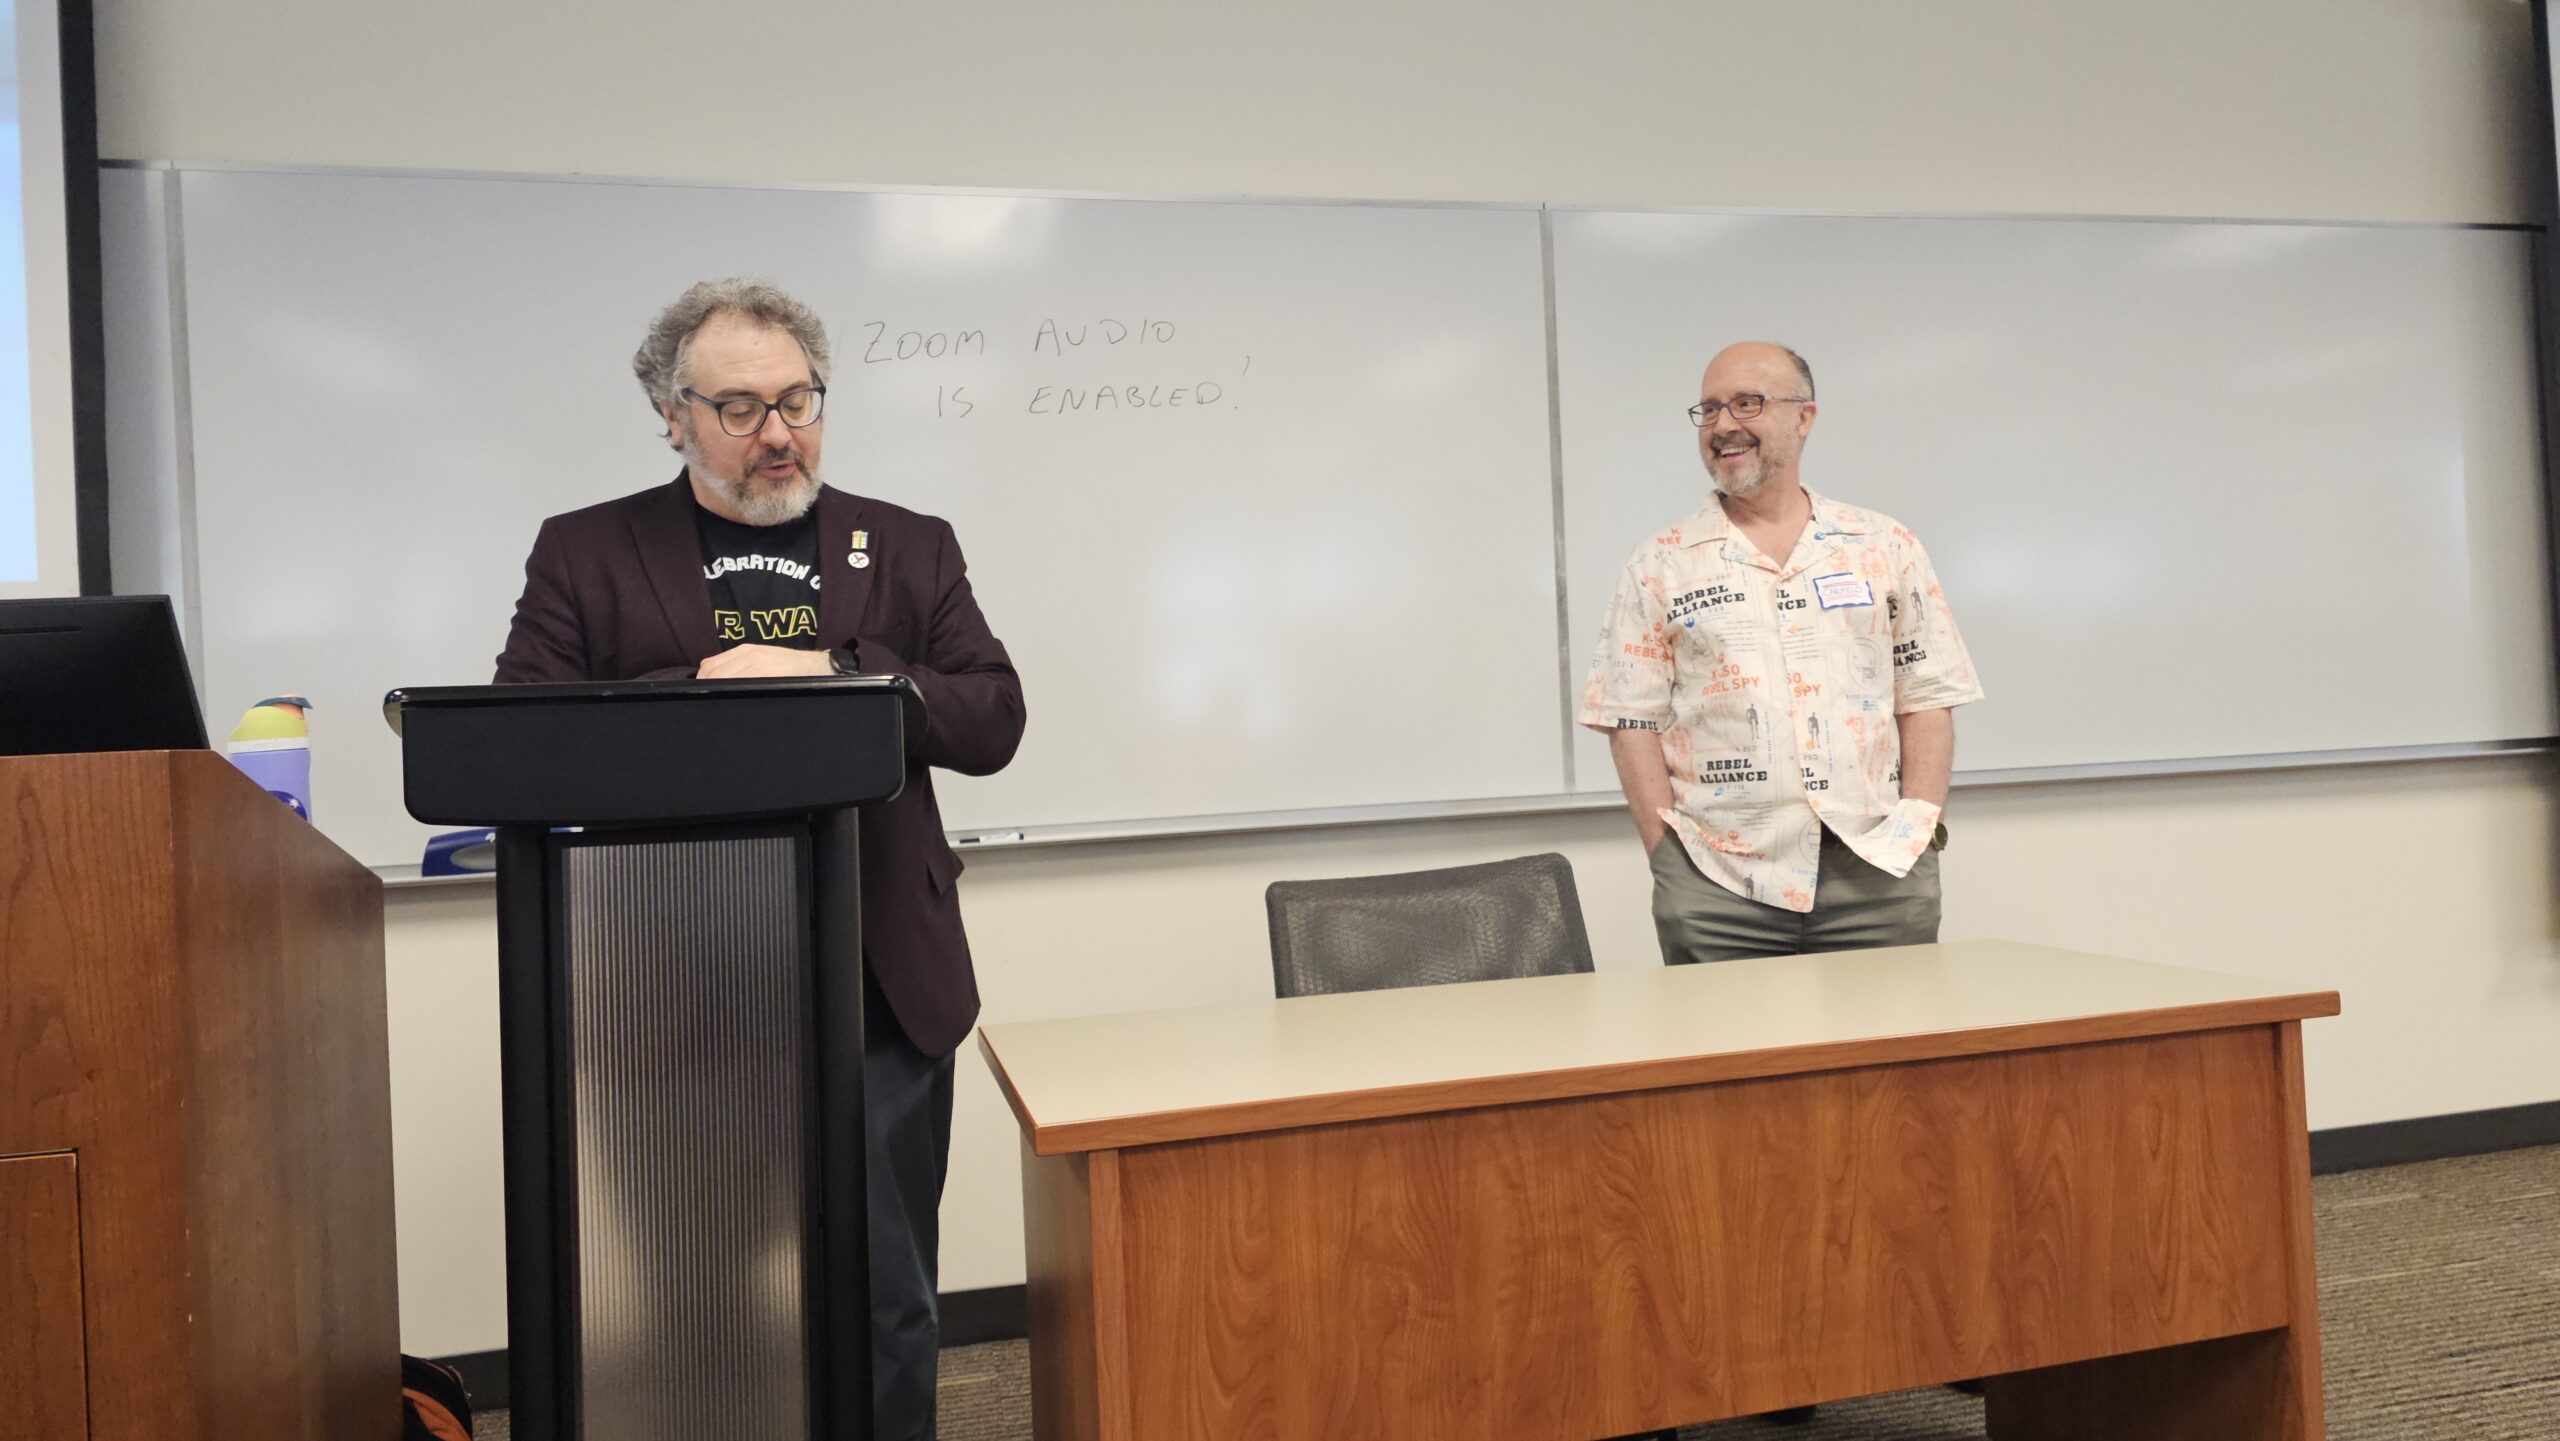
<point x="1775" y="687"/>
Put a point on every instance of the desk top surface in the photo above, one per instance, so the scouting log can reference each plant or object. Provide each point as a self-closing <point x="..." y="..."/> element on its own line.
<point x="1099" y="1082"/>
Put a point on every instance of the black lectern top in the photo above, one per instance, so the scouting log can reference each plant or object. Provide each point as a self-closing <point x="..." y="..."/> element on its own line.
<point x="651" y="752"/>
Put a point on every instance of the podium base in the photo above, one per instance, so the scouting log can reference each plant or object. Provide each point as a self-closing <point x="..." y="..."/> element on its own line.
<point x="687" y="1243"/>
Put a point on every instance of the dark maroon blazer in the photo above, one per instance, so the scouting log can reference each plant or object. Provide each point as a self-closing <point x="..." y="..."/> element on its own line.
<point x="615" y="592"/>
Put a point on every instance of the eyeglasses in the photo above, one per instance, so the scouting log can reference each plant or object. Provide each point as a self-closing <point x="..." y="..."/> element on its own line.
<point x="744" y="417"/>
<point x="1746" y="406"/>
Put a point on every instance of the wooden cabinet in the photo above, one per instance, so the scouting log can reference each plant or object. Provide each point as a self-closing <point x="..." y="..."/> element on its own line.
<point x="195" y="1219"/>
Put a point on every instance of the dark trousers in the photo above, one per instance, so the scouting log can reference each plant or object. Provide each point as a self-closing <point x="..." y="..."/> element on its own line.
<point x="907" y="1138"/>
<point x="1855" y="907"/>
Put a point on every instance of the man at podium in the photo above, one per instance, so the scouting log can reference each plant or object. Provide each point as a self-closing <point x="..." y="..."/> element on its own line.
<point x="748" y="565"/>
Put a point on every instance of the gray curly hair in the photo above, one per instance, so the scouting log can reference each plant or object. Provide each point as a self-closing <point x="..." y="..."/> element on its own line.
<point x="662" y="357"/>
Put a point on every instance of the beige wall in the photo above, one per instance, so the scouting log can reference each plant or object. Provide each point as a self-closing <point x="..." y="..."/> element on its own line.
<point x="2425" y="892"/>
<point x="2382" y="109"/>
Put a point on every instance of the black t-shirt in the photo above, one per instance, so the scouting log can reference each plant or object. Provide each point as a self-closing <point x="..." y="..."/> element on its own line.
<point x="764" y="580"/>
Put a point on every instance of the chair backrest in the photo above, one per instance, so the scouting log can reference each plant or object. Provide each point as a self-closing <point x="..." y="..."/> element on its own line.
<point x="1427" y="928"/>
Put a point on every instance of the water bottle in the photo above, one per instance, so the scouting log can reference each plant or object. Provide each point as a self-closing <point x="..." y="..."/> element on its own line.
<point x="272" y="746"/>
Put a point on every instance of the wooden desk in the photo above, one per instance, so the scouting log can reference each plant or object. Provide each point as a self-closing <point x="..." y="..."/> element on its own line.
<point x="1577" y="1206"/>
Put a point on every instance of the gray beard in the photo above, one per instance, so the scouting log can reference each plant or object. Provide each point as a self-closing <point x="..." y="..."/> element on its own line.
<point x="1747" y="484"/>
<point x="771" y="505"/>
<point x="758" y="505"/>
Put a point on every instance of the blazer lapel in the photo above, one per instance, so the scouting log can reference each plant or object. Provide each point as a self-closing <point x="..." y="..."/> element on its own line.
<point x="844" y="588"/>
<point x="671" y="556"/>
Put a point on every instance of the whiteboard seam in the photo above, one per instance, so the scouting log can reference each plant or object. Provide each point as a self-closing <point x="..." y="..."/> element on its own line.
<point x="1555" y="496"/>
<point x="182" y="435"/>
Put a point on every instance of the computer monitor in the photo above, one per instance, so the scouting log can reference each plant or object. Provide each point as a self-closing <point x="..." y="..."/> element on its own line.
<point x="101" y="673"/>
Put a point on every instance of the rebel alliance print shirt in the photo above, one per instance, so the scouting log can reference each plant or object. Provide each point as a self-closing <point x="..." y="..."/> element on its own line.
<point x="1775" y="687"/>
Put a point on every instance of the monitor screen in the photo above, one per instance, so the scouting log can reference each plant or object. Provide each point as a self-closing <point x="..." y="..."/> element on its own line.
<point x="52" y="505"/>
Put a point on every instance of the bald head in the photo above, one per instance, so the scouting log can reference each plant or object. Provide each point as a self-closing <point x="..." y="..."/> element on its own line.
<point x="1768" y="359"/>
<point x="1744" y="452"/>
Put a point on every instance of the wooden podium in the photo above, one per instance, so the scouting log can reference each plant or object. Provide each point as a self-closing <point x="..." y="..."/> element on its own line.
<point x="195" y="1113"/>
<point x="1577" y="1206"/>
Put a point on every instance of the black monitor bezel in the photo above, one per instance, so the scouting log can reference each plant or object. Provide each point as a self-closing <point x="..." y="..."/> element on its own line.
<point x="134" y="694"/>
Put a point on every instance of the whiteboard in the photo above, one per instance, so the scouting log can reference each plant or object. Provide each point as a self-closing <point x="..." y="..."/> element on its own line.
<point x="2194" y="490"/>
<point x="1326" y="579"/>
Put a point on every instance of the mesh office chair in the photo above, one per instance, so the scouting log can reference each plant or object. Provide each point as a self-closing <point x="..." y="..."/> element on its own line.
<point x="1427" y="928"/>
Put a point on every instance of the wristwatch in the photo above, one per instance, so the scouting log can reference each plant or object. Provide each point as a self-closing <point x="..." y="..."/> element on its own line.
<point x="846" y="658"/>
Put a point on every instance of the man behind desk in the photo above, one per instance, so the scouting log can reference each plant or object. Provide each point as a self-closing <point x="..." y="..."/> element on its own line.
<point x="747" y="565"/>
<point x="1776" y="679"/>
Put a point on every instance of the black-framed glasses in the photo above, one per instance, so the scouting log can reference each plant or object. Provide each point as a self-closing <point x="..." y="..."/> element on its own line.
<point x="745" y="415"/>
<point x="1746" y="406"/>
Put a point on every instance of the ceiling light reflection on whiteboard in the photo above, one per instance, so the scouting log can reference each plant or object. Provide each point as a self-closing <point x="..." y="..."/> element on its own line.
<point x="960" y="232"/>
<point x="1415" y="374"/>
<point x="2321" y="368"/>
<point x="1923" y="366"/>
<point x="2237" y="247"/>
<point x="1670" y="234"/>
<point x="2011" y="574"/>
<point x="1201" y="601"/>
<point x="342" y="361"/>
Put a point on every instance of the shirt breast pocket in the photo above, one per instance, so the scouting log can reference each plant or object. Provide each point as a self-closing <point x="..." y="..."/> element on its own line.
<point x="1873" y="622"/>
<point x="1698" y="639"/>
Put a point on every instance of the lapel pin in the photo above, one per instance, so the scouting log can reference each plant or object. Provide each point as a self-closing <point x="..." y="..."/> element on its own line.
<point x="860" y="555"/>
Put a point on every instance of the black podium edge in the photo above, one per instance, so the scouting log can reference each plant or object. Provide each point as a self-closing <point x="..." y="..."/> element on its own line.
<point x="839" y="1219"/>
<point x="529" y="1085"/>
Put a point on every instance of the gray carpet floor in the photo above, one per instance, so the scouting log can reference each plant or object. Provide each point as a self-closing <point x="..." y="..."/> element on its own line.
<point x="2439" y="1317"/>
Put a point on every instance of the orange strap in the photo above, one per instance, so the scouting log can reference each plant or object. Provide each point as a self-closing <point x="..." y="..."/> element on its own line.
<point x="438" y="1421"/>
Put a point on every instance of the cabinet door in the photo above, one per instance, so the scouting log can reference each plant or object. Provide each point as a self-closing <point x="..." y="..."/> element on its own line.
<point x="42" y="1350"/>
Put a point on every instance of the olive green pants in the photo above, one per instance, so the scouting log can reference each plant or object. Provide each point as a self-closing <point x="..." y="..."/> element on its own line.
<point x="1855" y="907"/>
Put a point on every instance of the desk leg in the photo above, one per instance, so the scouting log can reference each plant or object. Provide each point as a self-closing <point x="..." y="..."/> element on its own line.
<point x="1072" y="1237"/>
<point x="2264" y="1386"/>
<point x="2233" y="1388"/>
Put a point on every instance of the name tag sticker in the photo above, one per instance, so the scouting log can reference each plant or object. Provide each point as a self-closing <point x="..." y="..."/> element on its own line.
<point x="1843" y="589"/>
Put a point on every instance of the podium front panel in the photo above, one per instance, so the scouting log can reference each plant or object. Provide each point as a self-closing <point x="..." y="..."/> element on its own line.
<point x="686" y="966"/>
